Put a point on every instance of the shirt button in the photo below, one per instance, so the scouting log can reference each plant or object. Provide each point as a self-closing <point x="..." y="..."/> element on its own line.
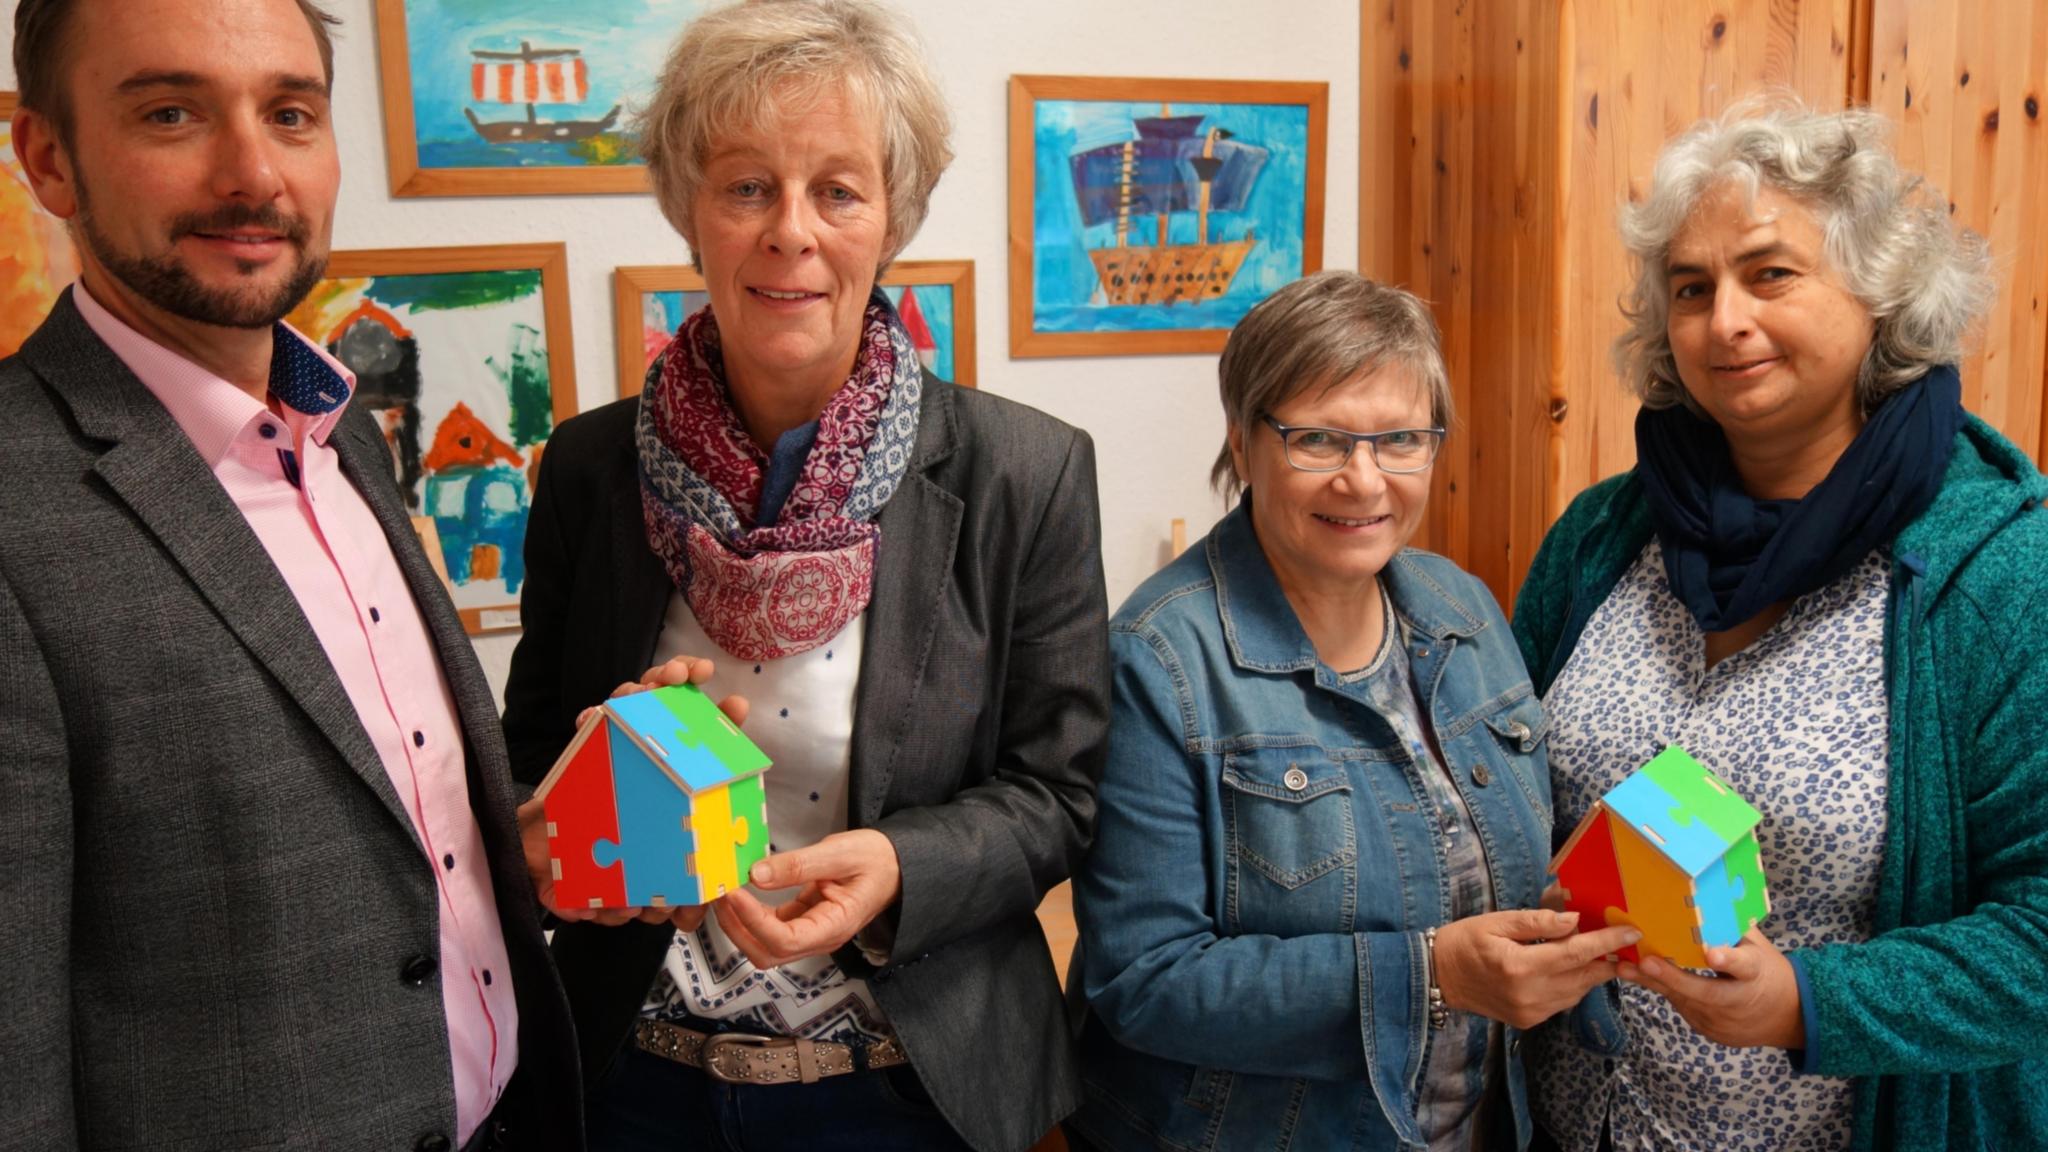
<point x="375" y="617"/>
<point x="1482" y="775"/>
<point x="1295" y="779"/>
<point x="418" y="970"/>
<point x="432" y="1142"/>
<point x="487" y="977"/>
<point x="448" y="861"/>
<point x="419" y="739"/>
<point x="267" y="431"/>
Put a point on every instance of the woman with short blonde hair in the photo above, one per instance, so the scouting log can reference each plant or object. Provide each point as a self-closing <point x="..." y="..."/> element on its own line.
<point x="900" y="578"/>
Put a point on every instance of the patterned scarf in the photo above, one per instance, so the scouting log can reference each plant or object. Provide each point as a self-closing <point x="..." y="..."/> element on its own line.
<point x="763" y="593"/>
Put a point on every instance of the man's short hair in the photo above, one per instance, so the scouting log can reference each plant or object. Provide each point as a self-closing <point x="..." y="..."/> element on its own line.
<point x="42" y="31"/>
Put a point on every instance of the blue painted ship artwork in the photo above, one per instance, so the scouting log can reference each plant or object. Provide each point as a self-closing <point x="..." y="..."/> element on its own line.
<point x="1153" y="217"/>
<point x="534" y="83"/>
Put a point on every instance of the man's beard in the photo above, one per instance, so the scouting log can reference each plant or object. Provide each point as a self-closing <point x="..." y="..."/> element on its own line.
<point x="164" y="281"/>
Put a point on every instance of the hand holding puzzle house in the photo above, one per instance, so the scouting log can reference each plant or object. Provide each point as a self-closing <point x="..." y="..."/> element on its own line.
<point x="657" y="802"/>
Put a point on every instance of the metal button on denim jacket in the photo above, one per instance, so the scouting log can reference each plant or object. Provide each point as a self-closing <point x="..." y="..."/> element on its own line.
<point x="1266" y="858"/>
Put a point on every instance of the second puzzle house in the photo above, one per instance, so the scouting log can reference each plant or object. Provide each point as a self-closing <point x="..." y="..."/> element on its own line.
<point x="1672" y="851"/>
<point x="658" y="801"/>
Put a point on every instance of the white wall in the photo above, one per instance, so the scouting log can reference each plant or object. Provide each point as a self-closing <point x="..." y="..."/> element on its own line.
<point x="1155" y="419"/>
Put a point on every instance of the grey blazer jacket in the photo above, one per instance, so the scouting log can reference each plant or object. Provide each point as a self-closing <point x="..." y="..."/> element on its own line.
<point x="979" y="729"/>
<point x="220" y="930"/>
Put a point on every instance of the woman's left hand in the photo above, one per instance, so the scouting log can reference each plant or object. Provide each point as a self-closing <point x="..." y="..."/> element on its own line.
<point x="847" y="879"/>
<point x="1752" y="1003"/>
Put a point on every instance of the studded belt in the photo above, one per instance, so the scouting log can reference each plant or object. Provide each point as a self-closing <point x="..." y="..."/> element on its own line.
<point x="741" y="1058"/>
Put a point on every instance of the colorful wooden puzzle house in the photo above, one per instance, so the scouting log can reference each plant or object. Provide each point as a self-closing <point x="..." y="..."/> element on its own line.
<point x="658" y="801"/>
<point x="1672" y="851"/>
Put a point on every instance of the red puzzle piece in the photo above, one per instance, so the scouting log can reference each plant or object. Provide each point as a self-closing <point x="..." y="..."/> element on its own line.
<point x="1591" y="876"/>
<point x="581" y="810"/>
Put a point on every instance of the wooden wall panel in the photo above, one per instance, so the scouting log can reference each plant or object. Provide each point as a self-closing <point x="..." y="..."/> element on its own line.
<point x="1457" y="166"/>
<point x="1640" y="72"/>
<point x="1965" y="83"/>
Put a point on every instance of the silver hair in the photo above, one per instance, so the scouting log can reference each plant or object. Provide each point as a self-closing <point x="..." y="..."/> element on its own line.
<point x="1317" y="333"/>
<point x="1888" y="235"/>
<point x="750" y="64"/>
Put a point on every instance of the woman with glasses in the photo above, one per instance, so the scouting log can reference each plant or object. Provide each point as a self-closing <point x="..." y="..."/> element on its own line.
<point x="1309" y="917"/>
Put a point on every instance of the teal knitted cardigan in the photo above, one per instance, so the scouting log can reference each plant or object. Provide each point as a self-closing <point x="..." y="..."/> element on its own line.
<point x="1942" y="1016"/>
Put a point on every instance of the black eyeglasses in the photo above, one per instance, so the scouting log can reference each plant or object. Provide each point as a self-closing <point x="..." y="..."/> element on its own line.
<point x="1397" y="452"/>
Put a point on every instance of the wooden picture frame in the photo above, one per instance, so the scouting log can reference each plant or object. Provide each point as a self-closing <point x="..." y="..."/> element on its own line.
<point x="452" y="348"/>
<point x="631" y="284"/>
<point x="1263" y="144"/>
<point x="409" y="177"/>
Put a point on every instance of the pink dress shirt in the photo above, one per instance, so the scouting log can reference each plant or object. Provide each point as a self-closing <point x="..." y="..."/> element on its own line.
<point x="329" y="548"/>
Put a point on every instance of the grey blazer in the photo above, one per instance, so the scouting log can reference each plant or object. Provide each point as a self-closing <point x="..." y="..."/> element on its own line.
<point x="220" y="928"/>
<point x="979" y="728"/>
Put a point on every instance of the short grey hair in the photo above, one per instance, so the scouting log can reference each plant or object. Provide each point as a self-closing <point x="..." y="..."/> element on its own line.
<point x="1318" y="333"/>
<point x="748" y="64"/>
<point x="1888" y="235"/>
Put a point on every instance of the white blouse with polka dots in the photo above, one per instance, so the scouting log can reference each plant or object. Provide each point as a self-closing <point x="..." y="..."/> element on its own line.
<point x="1797" y="723"/>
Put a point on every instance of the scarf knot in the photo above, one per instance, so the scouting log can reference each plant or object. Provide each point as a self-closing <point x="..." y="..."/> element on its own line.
<point x="1730" y="555"/>
<point x="764" y="592"/>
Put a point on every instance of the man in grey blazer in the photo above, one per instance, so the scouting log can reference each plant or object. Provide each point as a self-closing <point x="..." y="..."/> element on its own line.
<point x="264" y="888"/>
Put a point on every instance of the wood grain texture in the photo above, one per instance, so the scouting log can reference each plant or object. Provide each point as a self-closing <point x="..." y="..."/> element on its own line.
<point x="1496" y="141"/>
<point x="1965" y="83"/>
<point x="1636" y="75"/>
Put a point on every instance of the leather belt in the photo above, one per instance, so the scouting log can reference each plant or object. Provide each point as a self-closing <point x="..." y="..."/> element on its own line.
<point x="743" y="1058"/>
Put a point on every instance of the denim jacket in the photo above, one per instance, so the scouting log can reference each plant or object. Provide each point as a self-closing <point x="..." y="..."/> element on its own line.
<point x="1266" y="858"/>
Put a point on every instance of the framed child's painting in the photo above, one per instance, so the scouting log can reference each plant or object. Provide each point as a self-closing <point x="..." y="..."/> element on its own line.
<point x="463" y="357"/>
<point x="935" y="298"/>
<point x="513" y="97"/>
<point x="1148" y="216"/>
<point x="37" y="261"/>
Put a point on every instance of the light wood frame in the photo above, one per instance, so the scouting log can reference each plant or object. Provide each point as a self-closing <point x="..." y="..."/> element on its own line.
<point x="631" y="282"/>
<point x="401" y="142"/>
<point x="1026" y="91"/>
<point x="551" y="260"/>
<point x="9" y="101"/>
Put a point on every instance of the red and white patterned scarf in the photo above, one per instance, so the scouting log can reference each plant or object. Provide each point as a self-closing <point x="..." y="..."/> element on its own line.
<point x="763" y="593"/>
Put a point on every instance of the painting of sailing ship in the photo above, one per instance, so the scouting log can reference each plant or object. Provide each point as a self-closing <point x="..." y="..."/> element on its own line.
<point x="934" y="298"/>
<point x="454" y="358"/>
<point x="529" y="84"/>
<point x="1174" y="213"/>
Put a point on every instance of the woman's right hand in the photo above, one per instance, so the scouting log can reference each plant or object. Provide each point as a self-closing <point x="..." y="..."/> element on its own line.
<point x="1524" y="966"/>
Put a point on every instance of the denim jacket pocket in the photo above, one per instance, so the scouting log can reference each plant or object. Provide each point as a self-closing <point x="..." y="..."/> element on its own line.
<point x="1520" y="731"/>
<point x="1292" y="841"/>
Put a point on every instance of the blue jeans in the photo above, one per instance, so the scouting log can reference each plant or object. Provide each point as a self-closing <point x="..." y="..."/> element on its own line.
<point x="648" y="1103"/>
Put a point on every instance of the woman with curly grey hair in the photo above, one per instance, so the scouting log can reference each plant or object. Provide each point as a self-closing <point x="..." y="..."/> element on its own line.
<point x="1822" y="579"/>
<point x="902" y="581"/>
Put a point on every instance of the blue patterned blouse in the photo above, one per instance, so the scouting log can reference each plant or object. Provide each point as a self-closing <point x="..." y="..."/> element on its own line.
<point x="1797" y="722"/>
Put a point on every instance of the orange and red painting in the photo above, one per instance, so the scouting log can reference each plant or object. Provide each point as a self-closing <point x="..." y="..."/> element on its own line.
<point x="36" y="259"/>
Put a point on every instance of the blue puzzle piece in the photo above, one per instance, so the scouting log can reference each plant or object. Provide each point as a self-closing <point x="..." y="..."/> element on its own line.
<point x="685" y="752"/>
<point x="1716" y="893"/>
<point x="653" y="843"/>
<point x="1643" y="804"/>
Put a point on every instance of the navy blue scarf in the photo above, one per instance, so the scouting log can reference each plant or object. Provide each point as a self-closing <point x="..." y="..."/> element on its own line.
<point x="1729" y="555"/>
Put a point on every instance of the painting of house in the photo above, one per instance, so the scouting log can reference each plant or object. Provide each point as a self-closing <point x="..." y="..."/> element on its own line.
<point x="1672" y="851"/>
<point x="37" y="261"/>
<point x="658" y="802"/>
<point x="458" y="357"/>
